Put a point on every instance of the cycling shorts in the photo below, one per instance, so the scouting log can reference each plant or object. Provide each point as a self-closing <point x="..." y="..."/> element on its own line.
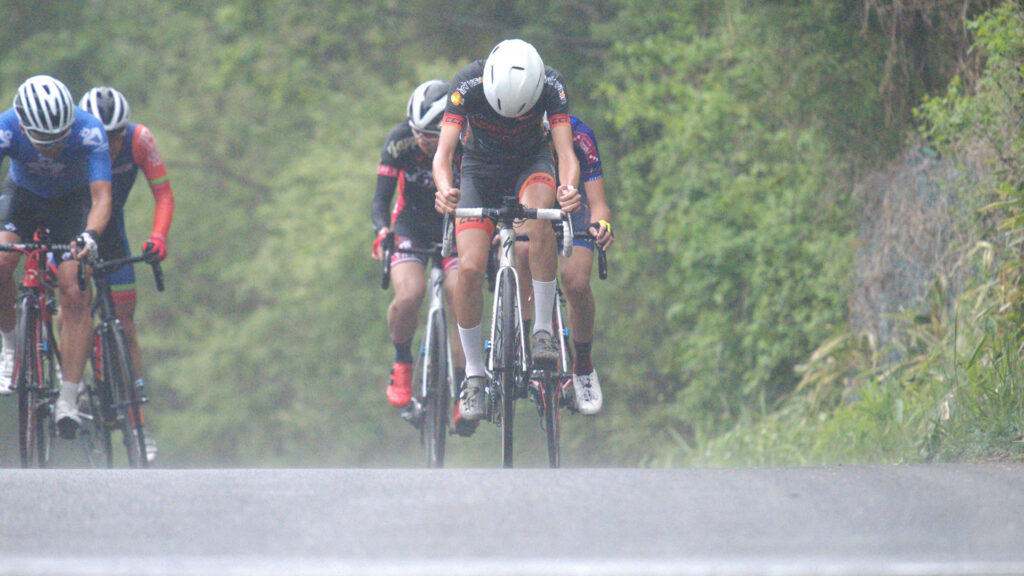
<point x="65" y="216"/>
<point x="450" y="263"/>
<point x="113" y="245"/>
<point x="486" y="183"/>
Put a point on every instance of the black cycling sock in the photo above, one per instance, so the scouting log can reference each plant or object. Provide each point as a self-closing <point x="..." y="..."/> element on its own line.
<point x="460" y="374"/>
<point x="582" y="365"/>
<point x="403" y="352"/>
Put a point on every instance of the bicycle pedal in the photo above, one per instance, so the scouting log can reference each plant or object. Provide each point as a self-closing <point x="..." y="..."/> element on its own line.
<point x="413" y="413"/>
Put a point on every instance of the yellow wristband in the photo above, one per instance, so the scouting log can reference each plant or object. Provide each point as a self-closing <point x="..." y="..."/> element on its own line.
<point x="606" y="225"/>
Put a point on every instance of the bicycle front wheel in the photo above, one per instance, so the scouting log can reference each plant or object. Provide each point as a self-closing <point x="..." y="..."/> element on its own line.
<point x="33" y="403"/>
<point x="508" y="364"/>
<point x="121" y="378"/>
<point x="438" y="394"/>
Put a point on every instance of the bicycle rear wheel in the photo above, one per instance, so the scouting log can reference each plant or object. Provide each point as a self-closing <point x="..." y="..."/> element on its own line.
<point x="101" y="416"/>
<point x="121" y="378"/>
<point x="438" y="399"/>
<point x="508" y="363"/>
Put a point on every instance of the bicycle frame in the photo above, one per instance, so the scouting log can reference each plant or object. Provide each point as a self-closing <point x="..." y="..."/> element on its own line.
<point x="507" y="267"/>
<point x="35" y="361"/>
<point x="437" y="313"/>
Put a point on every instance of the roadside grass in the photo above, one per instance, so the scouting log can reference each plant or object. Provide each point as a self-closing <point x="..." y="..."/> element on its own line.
<point x="936" y="406"/>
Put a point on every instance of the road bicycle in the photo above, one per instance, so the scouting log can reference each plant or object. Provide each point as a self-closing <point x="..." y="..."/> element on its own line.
<point x="37" y="360"/>
<point x="506" y="348"/>
<point x="429" y="408"/>
<point x="114" y="398"/>
<point x="552" y="390"/>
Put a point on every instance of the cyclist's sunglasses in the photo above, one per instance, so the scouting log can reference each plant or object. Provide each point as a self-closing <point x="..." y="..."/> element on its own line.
<point x="115" y="135"/>
<point x="428" y="135"/>
<point x="44" y="140"/>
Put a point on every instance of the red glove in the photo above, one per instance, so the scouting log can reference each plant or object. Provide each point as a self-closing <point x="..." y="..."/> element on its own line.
<point x="158" y="244"/>
<point x="381" y="235"/>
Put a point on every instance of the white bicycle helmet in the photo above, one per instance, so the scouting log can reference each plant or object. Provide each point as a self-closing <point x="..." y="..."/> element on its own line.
<point x="44" y="108"/>
<point x="109" y="105"/>
<point x="426" y="106"/>
<point x="513" y="78"/>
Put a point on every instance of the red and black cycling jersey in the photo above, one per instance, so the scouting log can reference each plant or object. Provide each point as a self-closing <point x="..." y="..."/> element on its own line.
<point x="404" y="165"/>
<point x="489" y="135"/>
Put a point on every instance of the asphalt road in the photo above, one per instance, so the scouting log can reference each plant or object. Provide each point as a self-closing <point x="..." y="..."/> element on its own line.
<point x="939" y="519"/>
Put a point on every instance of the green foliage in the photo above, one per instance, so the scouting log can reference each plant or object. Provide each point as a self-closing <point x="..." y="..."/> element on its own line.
<point x="731" y="134"/>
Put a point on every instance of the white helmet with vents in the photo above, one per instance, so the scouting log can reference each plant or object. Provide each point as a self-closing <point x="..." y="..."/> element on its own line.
<point x="44" y="108"/>
<point x="426" y="105"/>
<point x="109" y="105"/>
<point x="513" y="78"/>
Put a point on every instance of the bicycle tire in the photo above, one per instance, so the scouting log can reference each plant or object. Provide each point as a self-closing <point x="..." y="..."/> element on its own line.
<point x="508" y="366"/>
<point x="438" y="399"/>
<point x="121" y="376"/>
<point x="48" y="359"/>
<point x="26" y="381"/>
<point x="101" y="453"/>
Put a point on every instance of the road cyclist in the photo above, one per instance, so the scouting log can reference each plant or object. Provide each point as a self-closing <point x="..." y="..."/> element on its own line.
<point x="592" y="224"/>
<point x="60" y="179"/>
<point x="132" y="148"/>
<point x="497" y="106"/>
<point x="412" y="227"/>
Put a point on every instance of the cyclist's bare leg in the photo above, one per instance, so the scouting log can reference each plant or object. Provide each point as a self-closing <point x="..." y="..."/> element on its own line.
<point x="8" y="289"/>
<point x="473" y="245"/>
<point x="403" y="313"/>
<point x="458" y="358"/>
<point x="76" y="328"/>
<point x="125" y="312"/>
<point x="543" y="254"/>
<point x="576" y="284"/>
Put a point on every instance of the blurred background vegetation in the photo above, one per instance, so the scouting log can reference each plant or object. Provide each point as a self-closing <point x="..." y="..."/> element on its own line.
<point x="817" y="205"/>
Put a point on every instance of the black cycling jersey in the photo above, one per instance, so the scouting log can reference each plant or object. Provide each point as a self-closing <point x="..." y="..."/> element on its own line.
<point x="405" y="166"/>
<point x="491" y="136"/>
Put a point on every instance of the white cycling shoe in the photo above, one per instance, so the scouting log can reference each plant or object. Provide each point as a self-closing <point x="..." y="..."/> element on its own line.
<point x="68" y="418"/>
<point x="588" y="392"/>
<point x="473" y="398"/>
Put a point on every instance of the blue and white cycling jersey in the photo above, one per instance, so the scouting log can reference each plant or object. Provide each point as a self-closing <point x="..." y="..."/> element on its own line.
<point x="84" y="159"/>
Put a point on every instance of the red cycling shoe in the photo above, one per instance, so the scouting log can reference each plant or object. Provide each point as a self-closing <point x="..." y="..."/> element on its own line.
<point x="400" y="390"/>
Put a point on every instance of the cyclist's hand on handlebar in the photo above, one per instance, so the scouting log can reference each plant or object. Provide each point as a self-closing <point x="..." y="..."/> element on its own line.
<point x="602" y="232"/>
<point x="568" y="198"/>
<point x="446" y="200"/>
<point x="156" y="244"/>
<point x="378" y="250"/>
<point x="85" y="246"/>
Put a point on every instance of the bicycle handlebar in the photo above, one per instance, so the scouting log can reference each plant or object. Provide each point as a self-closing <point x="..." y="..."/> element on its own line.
<point x="106" y="267"/>
<point x="388" y="244"/>
<point x="510" y="210"/>
<point x="27" y="248"/>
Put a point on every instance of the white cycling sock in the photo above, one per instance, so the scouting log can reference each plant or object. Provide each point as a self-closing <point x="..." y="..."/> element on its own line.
<point x="543" y="305"/>
<point x="69" y="391"/>
<point x="473" y="347"/>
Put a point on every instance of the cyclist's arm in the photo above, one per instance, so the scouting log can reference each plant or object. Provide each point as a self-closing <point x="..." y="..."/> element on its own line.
<point x="99" y="213"/>
<point x="444" y="174"/>
<point x="561" y="137"/>
<point x="99" y="182"/>
<point x="387" y="182"/>
<point x="148" y="158"/>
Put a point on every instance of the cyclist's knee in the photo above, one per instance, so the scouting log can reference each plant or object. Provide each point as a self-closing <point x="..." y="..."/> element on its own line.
<point x="576" y="285"/>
